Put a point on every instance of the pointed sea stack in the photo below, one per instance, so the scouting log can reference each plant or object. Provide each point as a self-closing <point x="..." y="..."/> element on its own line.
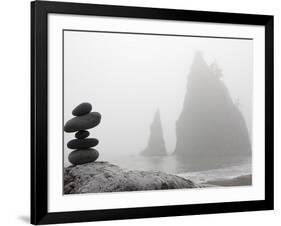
<point x="210" y="125"/>
<point x="84" y="119"/>
<point x="156" y="143"/>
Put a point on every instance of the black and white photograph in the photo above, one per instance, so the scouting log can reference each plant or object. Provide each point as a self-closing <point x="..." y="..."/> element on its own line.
<point x="144" y="111"/>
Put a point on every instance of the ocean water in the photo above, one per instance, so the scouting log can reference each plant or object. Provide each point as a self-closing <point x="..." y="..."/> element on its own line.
<point x="199" y="170"/>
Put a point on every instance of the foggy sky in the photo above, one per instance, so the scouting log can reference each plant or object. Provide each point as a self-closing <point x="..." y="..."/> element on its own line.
<point x="128" y="77"/>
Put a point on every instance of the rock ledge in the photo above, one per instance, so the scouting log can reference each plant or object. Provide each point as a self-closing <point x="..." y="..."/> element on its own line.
<point x="105" y="177"/>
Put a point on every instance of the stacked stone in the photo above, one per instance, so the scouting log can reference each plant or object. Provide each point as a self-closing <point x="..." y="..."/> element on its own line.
<point x="84" y="119"/>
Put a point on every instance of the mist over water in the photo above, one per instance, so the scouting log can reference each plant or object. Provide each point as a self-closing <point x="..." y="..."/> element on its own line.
<point x="128" y="77"/>
<point x="176" y="165"/>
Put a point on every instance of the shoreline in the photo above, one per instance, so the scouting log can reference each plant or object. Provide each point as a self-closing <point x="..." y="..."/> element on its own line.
<point x="243" y="180"/>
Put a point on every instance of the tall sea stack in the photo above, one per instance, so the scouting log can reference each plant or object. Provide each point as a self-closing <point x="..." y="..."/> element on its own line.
<point x="156" y="143"/>
<point x="210" y="124"/>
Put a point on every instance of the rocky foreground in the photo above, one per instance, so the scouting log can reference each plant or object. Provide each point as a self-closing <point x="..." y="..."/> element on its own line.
<point x="105" y="177"/>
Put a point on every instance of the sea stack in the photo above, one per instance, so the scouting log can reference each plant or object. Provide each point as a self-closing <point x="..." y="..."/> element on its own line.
<point x="210" y="125"/>
<point x="156" y="143"/>
<point x="84" y="119"/>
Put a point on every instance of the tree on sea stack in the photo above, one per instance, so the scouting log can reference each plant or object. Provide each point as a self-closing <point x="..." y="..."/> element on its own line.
<point x="84" y="119"/>
<point x="156" y="143"/>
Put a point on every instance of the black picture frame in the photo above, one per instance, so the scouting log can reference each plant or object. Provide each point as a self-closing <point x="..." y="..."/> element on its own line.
<point x="39" y="111"/>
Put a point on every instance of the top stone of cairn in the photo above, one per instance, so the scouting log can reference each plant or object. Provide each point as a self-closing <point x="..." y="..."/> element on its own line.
<point x="82" y="109"/>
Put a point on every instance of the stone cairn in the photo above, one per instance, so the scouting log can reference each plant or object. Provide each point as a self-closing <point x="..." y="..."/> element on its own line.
<point x="84" y="119"/>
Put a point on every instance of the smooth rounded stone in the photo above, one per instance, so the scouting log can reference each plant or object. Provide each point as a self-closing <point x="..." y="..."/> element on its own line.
<point x="79" y="157"/>
<point x="82" y="109"/>
<point x="82" y="134"/>
<point x="82" y="143"/>
<point x="83" y="122"/>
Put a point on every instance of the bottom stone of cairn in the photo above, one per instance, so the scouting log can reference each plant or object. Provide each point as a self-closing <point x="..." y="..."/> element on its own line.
<point x="83" y="156"/>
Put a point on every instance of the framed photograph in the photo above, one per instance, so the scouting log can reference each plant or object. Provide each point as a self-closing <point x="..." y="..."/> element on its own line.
<point x="145" y="112"/>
